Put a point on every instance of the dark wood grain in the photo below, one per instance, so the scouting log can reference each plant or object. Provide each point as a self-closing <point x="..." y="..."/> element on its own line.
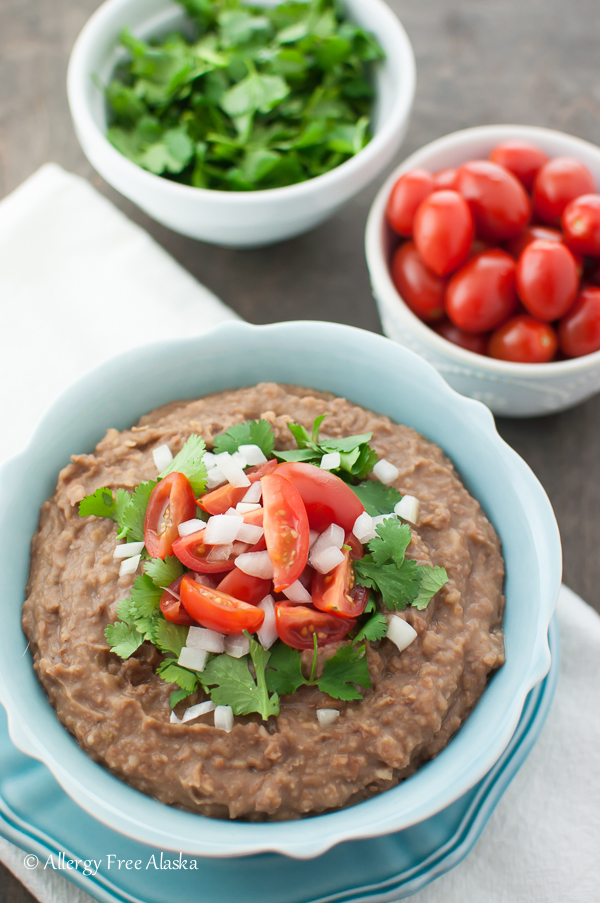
<point x="479" y="61"/>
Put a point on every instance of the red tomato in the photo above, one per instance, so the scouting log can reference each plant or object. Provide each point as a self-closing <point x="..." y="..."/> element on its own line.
<point x="524" y="340"/>
<point x="406" y="195"/>
<point x="336" y="592"/>
<point x="419" y="286"/>
<point x="356" y="547"/>
<point x="296" y="625"/>
<point x="521" y="158"/>
<point x="327" y="499"/>
<point x="483" y="293"/>
<point x="547" y="279"/>
<point x="498" y="201"/>
<point x="517" y="245"/>
<point x="579" y="331"/>
<point x="171" y="503"/>
<point x="445" y="178"/>
<point x="287" y="533"/>
<point x="218" y="611"/>
<point x="192" y="551"/>
<point x="581" y="224"/>
<point x="245" y="587"/>
<point x="558" y="182"/>
<point x="220" y="500"/>
<point x="471" y="341"/>
<point x="443" y="231"/>
<point x="171" y="607"/>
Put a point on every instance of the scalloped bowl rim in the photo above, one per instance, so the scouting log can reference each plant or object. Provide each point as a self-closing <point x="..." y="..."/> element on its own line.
<point x="436" y="784"/>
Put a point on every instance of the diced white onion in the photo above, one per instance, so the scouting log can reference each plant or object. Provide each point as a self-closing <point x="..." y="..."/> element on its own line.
<point x="400" y="632"/>
<point x="379" y="519"/>
<point x="257" y="564"/>
<point x="215" y="477"/>
<point x="128" y="549"/>
<point x="254" y="494"/>
<point x="386" y="471"/>
<point x="268" y="632"/>
<point x="220" y="553"/>
<point x="408" y="509"/>
<point x="233" y="472"/>
<point x="237" y="646"/>
<point x="190" y="526"/>
<point x="231" y="511"/>
<point x="364" y="528"/>
<point x="332" y="536"/>
<point x="326" y="560"/>
<point x="239" y="459"/>
<point x="194" y="659"/>
<point x="222" y="528"/>
<point x="162" y="457"/>
<point x="208" y="460"/>
<point x="331" y="461"/>
<point x="202" y="638"/>
<point x="312" y="538"/>
<point x="129" y="565"/>
<point x="327" y="716"/>
<point x="250" y="533"/>
<point x="246" y="507"/>
<point x="295" y="592"/>
<point x="196" y="711"/>
<point x="224" y="718"/>
<point x="253" y="454"/>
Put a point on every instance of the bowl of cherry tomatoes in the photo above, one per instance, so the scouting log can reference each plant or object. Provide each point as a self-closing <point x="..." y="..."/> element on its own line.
<point x="483" y="249"/>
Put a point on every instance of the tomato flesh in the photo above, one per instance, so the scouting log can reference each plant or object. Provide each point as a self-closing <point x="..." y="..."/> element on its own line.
<point x="517" y="245"/>
<point x="327" y="499"/>
<point x="579" y="331"/>
<point x="287" y="533"/>
<point x="443" y="231"/>
<point x="483" y="293"/>
<point x="406" y="195"/>
<point x="171" y="607"/>
<point x="297" y="624"/>
<point x="497" y="199"/>
<point x="225" y="497"/>
<point x="559" y="182"/>
<point x="334" y="592"/>
<point x="524" y="340"/>
<point x="244" y="586"/>
<point x="171" y="503"/>
<point x="421" y="288"/>
<point x="521" y="158"/>
<point x="581" y="224"/>
<point x="219" y="611"/>
<point x="547" y="279"/>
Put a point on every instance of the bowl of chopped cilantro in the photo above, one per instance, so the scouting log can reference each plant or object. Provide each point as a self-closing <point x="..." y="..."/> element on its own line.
<point x="241" y="125"/>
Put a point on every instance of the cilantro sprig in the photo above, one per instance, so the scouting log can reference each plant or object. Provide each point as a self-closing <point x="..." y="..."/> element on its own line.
<point x="341" y="672"/>
<point x="252" y="432"/>
<point x="231" y="682"/>
<point x="357" y="458"/>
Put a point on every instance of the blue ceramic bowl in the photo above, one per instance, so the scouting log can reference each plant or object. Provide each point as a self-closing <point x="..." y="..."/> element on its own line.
<point x="373" y="372"/>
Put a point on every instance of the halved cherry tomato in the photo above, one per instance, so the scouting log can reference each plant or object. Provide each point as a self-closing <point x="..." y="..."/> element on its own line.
<point x="287" y="533"/>
<point x="334" y="592"/>
<point x="220" y="500"/>
<point x="245" y="587"/>
<point x="171" y="503"/>
<point x="516" y="246"/>
<point x="524" y="340"/>
<point x="296" y="625"/>
<point x="497" y="199"/>
<point x="547" y="279"/>
<point x="579" y="331"/>
<point x="421" y="288"/>
<point x="327" y="499"/>
<point x="406" y="195"/>
<point x="171" y="606"/>
<point x="356" y="547"/>
<point x="443" y="231"/>
<point x="471" y="341"/>
<point x="195" y="554"/>
<point x="581" y="224"/>
<point x="218" y="611"/>
<point x="558" y="182"/>
<point x="521" y="158"/>
<point x="483" y="293"/>
<point x="445" y="178"/>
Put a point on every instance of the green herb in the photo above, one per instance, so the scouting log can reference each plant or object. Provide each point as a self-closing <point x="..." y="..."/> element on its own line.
<point x="102" y="503"/>
<point x="123" y="639"/>
<point x="252" y="432"/>
<point x="344" y="669"/>
<point x="189" y="462"/>
<point x="186" y="680"/>
<point x="357" y="458"/>
<point x="232" y="683"/>
<point x="170" y="637"/>
<point x="257" y="98"/>
<point x="374" y="629"/>
<point x="391" y="542"/>
<point x="163" y="573"/>
<point x="376" y="497"/>
<point x="131" y="524"/>
<point x="432" y="580"/>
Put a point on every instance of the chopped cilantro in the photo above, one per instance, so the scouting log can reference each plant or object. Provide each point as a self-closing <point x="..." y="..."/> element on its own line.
<point x="252" y="432"/>
<point x="391" y="542"/>
<point x="163" y="573"/>
<point x="173" y="673"/>
<point x="123" y="639"/>
<point x="357" y="458"/>
<point x="432" y="580"/>
<point x="170" y="637"/>
<point x="131" y="523"/>
<point x="376" y="497"/>
<point x="189" y="462"/>
<point x="347" y="667"/>
<point x="284" y="672"/>
<point x="232" y="683"/>
<point x="100" y="503"/>
<point x="145" y="595"/>
<point x="374" y="629"/>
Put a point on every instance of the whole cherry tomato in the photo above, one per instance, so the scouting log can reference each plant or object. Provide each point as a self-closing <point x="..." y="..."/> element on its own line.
<point x="445" y="178"/>
<point x="327" y="499"/>
<point x="296" y="625"/>
<point x="197" y="555"/>
<point x="337" y="591"/>
<point x="471" y="341"/>
<point x="244" y="586"/>
<point x="581" y="224"/>
<point x="524" y="340"/>
<point x="219" y="611"/>
<point x="406" y="195"/>
<point x="516" y="246"/>
<point x="171" y="503"/>
<point x="171" y="607"/>
<point x="225" y="497"/>
<point x="521" y="158"/>
<point x="497" y="199"/>
<point x="483" y="293"/>
<point x="547" y="279"/>
<point x="579" y="331"/>
<point x="443" y="231"/>
<point x="559" y="182"/>
<point x="287" y="533"/>
<point x="421" y="288"/>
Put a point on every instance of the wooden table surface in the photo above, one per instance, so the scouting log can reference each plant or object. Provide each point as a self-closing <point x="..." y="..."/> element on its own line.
<point x="479" y="61"/>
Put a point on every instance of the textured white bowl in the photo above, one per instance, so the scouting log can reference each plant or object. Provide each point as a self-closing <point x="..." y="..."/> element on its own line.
<point x="516" y="390"/>
<point x="234" y="219"/>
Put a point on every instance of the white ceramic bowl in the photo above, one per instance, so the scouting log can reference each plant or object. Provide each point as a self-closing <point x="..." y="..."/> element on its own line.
<point x="517" y="390"/>
<point x="234" y="219"/>
<point x="371" y="371"/>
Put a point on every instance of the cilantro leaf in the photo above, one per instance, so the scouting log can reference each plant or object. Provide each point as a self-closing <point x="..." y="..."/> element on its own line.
<point x="163" y="573"/>
<point x="173" y="673"/>
<point x="100" y="503"/>
<point x="303" y="440"/>
<point x="145" y="596"/>
<point x="131" y="523"/>
<point x="376" y="497"/>
<point x="232" y="683"/>
<point x="170" y="637"/>
<point x="398" y="586"/>
<point x="374" y="629"/>
<point x="346" y="444"/>
<point x="346" y="668"/>
<point x="252" y="432"/>
<point x="177" y="696"/>
<point x="284" y="672"/>
<point x="432" y="580"/>
<point x="123" y="639"/>
<point x="139" y="611"/>
<point x="391" y="542"/>
<point x="189" y="462"/>
<point x="316" y="427"/>
<point x="307" y="455"/>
